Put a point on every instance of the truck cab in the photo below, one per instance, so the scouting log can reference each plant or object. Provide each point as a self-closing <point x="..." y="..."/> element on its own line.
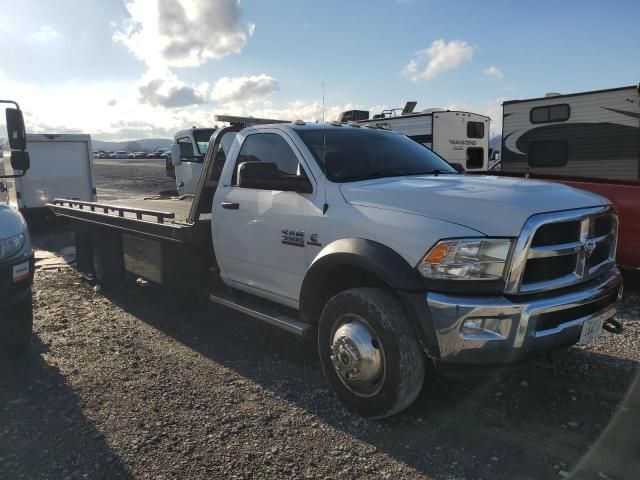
<point x="187" y="153"/>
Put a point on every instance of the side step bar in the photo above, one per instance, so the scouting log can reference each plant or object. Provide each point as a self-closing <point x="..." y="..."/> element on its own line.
<point x="254" y="310"/>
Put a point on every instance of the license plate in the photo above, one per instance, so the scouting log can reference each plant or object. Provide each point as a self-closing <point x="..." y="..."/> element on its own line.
<point x="592" y="328"/>
<point x="20" y="271"/>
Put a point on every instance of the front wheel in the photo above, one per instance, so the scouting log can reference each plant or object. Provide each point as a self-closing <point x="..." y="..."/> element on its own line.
<point x="16" y="326"/>
<point x="369" y="352"/>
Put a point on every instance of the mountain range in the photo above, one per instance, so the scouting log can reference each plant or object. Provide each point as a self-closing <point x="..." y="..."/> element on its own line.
<point x="144" y="145"/>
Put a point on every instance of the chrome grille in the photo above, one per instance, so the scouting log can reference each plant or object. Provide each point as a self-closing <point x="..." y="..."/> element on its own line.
<point x="560" y="249"/>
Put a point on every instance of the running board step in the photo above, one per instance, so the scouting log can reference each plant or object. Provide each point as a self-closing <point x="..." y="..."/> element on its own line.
<point x="263" y="312"/>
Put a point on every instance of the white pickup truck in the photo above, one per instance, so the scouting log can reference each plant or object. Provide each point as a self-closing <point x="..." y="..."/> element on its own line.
<point x="372" y="243"/>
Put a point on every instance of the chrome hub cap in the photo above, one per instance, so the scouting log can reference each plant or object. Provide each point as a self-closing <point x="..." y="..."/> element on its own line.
<point x="357" y="355"/>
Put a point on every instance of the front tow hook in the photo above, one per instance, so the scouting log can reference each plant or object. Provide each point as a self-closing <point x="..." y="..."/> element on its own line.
<point x="612" y="326"/>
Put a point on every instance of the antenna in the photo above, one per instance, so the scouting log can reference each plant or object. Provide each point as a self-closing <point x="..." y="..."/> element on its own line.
<point x="325" y="207"/>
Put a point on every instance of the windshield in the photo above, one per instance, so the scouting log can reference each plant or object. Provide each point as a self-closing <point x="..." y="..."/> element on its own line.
<point x="202" y="137"/>
<point x="353" y="154"/>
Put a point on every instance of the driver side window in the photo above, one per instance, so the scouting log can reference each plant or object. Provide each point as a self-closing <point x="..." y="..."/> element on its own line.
<point x="268" y="148"/>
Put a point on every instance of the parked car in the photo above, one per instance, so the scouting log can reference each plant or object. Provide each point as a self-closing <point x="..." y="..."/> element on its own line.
<point x="119" y="154"/>
<point x="138" y="155"/>
<point x="16" y="253"/>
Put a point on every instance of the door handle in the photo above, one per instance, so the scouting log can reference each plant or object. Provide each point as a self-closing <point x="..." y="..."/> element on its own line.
<point x="230" y="205"/>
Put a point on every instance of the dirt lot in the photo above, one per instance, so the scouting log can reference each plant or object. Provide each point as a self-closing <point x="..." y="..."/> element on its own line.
<point x="124" y="384"/>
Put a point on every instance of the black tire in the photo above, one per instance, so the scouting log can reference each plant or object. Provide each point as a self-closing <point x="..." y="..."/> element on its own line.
<point x="16" y="326"/>
<point x="397" y="344"/>
<point x="107" y="258"/>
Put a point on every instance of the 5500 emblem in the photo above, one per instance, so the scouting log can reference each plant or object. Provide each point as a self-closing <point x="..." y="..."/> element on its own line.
<point x="293" y="237"/>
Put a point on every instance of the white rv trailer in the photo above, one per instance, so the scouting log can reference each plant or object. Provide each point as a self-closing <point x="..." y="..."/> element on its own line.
<point x="61" y="167"/>
<point x="594" y="134"/>
<point x="458" y="137"/>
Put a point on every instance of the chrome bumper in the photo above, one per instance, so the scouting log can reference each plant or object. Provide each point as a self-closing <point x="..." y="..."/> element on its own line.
<point x="497" y="329"/>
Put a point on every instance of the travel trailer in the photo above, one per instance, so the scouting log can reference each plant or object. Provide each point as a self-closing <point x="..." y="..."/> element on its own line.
<point x="591" y="134"/>
<point x="458" y="137"/>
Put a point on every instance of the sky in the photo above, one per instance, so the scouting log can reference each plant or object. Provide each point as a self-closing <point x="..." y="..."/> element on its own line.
<point x="131" y="69"/>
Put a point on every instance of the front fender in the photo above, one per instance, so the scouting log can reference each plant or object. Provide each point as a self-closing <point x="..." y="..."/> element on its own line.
<point x="379" y="260"/>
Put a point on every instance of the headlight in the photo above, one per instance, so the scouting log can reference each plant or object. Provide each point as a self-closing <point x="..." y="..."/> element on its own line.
<point x="466" y="259"/>
<point x="10" y="246"/>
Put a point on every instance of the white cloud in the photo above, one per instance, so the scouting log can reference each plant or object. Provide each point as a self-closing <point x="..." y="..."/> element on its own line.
<point x="160" y="87"/>
<point x="247" y="89"/>
<point x="183" y="33"/>
<point x="251" y="28"/>
<point x="439" y="57"/>
<point x="45" y="34"/>
<point x="494" y="72"/>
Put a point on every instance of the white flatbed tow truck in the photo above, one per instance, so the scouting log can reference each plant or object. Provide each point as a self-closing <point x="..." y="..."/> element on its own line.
<point x="373" y="244"/>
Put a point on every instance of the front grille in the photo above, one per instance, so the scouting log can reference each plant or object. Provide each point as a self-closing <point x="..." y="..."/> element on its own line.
<point x="547" y="321"/>
<point x="560" y="250"/>
<point x="556" y="234"/>
<point x="550" y="268"/>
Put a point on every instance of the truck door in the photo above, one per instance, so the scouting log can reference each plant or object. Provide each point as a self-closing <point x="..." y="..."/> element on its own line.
<point x="188" y="172"/>
<point x="260" y="235"/>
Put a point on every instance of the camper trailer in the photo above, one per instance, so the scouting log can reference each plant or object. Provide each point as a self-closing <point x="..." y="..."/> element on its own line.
<point x="458" y="137"/>
<point x="592" y="134"/>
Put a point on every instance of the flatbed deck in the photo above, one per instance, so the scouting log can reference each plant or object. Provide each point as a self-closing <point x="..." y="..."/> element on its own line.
<point x="160" y="217"/>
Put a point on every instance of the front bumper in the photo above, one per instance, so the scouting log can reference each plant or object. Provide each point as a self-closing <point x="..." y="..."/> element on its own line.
<point x="514" y="328"/>
<point x="16" y="278"/>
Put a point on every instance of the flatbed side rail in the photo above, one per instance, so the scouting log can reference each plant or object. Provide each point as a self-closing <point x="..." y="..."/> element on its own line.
<point x="107" y="209"/>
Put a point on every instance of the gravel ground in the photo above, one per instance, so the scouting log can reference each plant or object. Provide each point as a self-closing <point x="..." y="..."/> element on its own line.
<point x="130" y="383"/>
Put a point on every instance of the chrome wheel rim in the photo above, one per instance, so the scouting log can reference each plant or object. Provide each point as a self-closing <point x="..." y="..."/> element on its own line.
<point x="357" y="355"/>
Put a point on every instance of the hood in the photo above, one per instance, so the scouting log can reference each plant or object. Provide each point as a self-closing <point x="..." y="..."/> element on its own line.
<point x="11" y="222"/>
<point x="495" y="206"/>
